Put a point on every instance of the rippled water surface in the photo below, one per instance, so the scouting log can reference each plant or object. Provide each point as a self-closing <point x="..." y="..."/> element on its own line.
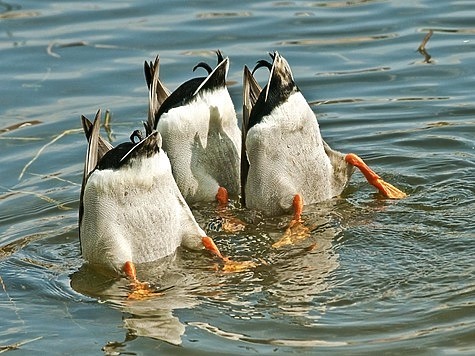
<point x="375" y="276"/>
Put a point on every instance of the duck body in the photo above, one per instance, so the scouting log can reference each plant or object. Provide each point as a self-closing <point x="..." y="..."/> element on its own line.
<point x="286" y="153"/>
<point x="287" y="158"/>
<point x="131" y="208"/>
<point x="200" y="134"/>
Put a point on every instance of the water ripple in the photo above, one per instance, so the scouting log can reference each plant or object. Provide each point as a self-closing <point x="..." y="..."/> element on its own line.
<point x="375" y="276"/>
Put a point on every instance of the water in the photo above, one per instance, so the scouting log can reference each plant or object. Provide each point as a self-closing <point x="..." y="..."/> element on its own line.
<point x="376" y="276"/>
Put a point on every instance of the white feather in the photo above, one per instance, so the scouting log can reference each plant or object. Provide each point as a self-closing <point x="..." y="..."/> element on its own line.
<point x="202" y="140"/>
<point x="136" y="214"/>
<point x="287" y="157"/>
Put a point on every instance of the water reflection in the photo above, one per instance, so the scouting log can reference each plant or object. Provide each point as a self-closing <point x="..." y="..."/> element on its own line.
<point x="285" y="283"/>
<point x="375" y="100"/>
<point x="422" y="47"/>
<point x="401" y="274"/>
<point x="12" y="11"/>
<point x="338" y="4"/>
<point x="150" y="317"/>
<point x="209" y="15"/>
<point x="337" y="40"/>
<point x="271" y="341"/>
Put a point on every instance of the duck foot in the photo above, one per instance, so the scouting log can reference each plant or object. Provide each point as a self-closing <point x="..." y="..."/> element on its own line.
<point x="140" y="290"/>
<point x="227" y="222"/>
<point x="232" y="224"/>
<point x="297" y="230"/>
<point x="385" y="188"/>
<point x="229" y="265"/>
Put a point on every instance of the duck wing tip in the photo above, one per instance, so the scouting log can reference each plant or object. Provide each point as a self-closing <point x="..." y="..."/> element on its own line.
<point x="251" y="92"/>
<point x="157" y="93"/>
<point x="92" y="153"/>
<point x="217" y="77"/>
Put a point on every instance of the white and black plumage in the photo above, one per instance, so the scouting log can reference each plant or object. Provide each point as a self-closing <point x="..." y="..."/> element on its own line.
<point x="286" y="155"/>
<point x="131" y="210"/>
<point x="199" y="129"/>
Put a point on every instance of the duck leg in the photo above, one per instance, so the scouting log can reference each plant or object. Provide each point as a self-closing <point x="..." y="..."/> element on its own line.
<point x="229" y="265"/>
<point x="388" y="190"/>
<point x="228" y="222"/>
<point x="140" y="290"/>
<point x="222" y="197"/>
<point x="209" y="244"/>
<point x="297" y="205"/>
<point x="297" y="230"/>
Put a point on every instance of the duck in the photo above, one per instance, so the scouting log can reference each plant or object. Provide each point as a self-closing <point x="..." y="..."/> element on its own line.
<point x="131" y="210"/>
<point x="199" y="130"/>
<point x="286" y="163"/>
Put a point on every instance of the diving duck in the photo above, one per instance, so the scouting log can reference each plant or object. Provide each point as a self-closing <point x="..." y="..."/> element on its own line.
<point x="131" y="210"/>
<point x="285" y="162"/>
<point x="199" y="132"/>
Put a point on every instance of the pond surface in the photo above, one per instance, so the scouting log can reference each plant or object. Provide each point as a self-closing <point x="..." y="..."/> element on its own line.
<point x="376" y="276"/>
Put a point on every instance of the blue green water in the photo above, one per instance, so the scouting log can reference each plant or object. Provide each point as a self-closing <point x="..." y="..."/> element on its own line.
<point x="385" y="276"/>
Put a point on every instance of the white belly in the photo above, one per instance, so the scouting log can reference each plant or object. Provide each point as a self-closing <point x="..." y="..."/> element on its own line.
<point x="134" y="214"/>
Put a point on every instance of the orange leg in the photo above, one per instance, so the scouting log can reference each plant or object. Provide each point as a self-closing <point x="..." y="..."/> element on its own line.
<point x="130" y="271"/>
<point x="209" y="244"/>
<point x="297" y="205"/>
<point x="229" y="265"/>
<point x="222" y="197"/>
<point x="229" y="222"/>
<point x="140" y="290"/>
<point x="297" y="230"/>
<point x="388" y="190"/>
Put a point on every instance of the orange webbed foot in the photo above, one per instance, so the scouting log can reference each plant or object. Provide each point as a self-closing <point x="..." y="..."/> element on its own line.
<point x="385" y="188"/>
<point x="140" y="290"/>
<point x="232" y="224"/>
<point x="297" y="230"/>
<point x="229" y="223"/>
<point x="229" y="265"/>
